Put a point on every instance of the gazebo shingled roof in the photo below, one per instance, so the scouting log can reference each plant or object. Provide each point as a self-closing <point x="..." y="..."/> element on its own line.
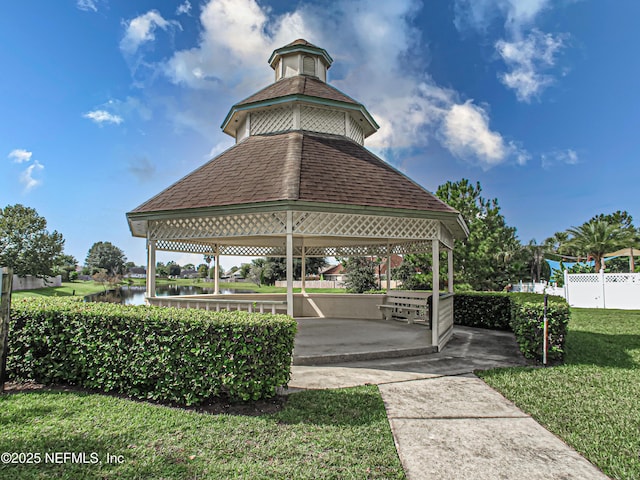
<point x="298" y="182"/>
<point x="299" y="85"/>
<point x="295" y="166"/>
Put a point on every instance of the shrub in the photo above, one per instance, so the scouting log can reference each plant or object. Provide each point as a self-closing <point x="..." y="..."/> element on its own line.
<point x="522" y="313"/>
<point x="164" y="354"/>
<point x="482" y="310"/>
<point x="527" y="323"/>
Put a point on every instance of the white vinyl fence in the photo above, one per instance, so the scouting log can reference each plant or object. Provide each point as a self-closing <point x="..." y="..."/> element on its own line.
<point x="540" y="287"/>
<point x="603" y="290"/>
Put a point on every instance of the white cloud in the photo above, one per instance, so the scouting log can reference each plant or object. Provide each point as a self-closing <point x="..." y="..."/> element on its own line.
<point x="141" y="30"/>
<point x="528" y="53"/>
<point x="27" y="176"/>
<point x="87" y="5"/>
<point x="370" y="42"/>
<point x="559" y="157"/>
<point x="184" y="8"/>
<point x="465" y="132"/>
<point x="129" y="106"/>
<point x="20" y="155"/>
<point x="102" y="116"/>
<point x="478" y="15"/>
<point x="526" y="59"/>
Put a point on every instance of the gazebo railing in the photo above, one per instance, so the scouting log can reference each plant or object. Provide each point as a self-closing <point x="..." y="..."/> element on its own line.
<point x="445" y="317"/>
<point x="217" y="305"/>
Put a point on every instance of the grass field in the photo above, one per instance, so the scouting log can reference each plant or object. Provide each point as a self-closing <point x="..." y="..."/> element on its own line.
<point x="330" y="434"/>
<point x="82" y="288"/>
<point x="593" y="401"/>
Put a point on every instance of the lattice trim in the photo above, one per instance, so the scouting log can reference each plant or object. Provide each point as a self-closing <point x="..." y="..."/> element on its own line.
<point x="366" y="226"/>
<point x="204" y="248"/>
<point x="249" y="251"/>
<point x="584" y="278"/>
<point x="355" y="132"/>
<point x="622" y="278"/>
<point x="219" y="227"/>
<point x="322" y="120"/>
<point x="186" y="247"/>
<point x="272" y="120"/>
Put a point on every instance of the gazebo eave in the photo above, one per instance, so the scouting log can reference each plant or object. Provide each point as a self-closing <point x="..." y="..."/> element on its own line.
<point x="370" y="124"/>
<point x="139" y="221"/>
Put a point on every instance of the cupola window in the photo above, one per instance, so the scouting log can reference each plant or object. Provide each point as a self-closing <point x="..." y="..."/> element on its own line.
<point x="308" y="66"/>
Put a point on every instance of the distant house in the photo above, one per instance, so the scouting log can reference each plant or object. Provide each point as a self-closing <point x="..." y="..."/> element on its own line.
<point x="190" y="273"/>
<point x="337" y="272"/>
<point x="334" y="273"/>
<point x="136" y="272"/>
<point x="381" y="270"/>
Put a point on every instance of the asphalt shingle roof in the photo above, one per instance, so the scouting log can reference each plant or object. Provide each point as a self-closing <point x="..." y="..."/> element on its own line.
<point x="298" y="85"/>
<point x="295" y="166"/>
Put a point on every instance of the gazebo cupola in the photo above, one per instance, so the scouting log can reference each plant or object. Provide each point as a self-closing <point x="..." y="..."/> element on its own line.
<point x="300" y="99"/>
<point x="300" y="58"/>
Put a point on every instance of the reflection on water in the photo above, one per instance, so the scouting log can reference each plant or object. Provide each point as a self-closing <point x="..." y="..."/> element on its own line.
<point x="135" y="295"/>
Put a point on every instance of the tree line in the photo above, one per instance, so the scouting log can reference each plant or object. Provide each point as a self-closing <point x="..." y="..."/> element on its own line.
<point x="493" y="257"/>
<point x="489" y="259"/>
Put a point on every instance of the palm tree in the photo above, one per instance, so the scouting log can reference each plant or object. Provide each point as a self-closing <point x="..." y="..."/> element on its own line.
<point x="536" y="252"/>
<point x="557" y="243"/>
<point x="597" y="237"/>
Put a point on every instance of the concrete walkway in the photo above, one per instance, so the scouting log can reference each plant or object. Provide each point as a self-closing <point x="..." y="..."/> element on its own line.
<point x="446" y="422"/>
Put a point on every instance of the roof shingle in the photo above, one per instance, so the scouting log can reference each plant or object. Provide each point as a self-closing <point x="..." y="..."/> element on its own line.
<point x="295" y="166"/>
<point x="298" y="85"/>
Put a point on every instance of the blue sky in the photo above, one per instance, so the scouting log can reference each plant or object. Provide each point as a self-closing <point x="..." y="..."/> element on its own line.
<point x="105" y="103"/>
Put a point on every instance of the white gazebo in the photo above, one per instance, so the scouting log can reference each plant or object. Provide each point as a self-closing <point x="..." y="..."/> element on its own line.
<point x="299" y="183"/>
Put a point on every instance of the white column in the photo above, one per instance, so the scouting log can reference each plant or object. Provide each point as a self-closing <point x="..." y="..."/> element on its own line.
<point x="435" y="251"/>
<point x="216" y="271"/>
<point x="304" y="267"/>
<point x="388" y="267"/>
<point x="151" y="268"/>
<point x="450" y="269"/>
<point x="290" y="263"/>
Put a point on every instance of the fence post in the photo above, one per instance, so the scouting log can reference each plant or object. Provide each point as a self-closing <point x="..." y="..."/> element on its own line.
<point x="566" y="286"/>
<point x="6" y="278"/>
<point x="604" y="303"/>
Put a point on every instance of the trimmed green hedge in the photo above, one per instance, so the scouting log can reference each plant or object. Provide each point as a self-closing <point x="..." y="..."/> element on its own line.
<point x="172" y="355"/>
<point x="522" y="313"/>
<point x="482" y="310"/>
<point x="527" y="323"/>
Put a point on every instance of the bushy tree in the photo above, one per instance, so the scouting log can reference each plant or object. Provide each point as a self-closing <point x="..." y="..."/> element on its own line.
<point x="162" y="270"/>
<point x="105" y="256"/>
<point x="25" y="243"/>
<point x="67" y="267"/>
<point x="361" y="275"/>
<point x="492" y="255"/>
<point x="415" y="272"/>
<point x="203" y="270"/>
<point x="174" y="268"/>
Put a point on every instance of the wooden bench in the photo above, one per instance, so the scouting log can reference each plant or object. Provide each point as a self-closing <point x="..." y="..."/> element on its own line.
<point x="405" y="305"/>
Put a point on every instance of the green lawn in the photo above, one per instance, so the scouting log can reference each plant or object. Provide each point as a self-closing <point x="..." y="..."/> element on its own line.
<point x="80" y="288"/>
<point x="593" y="401"/>
<point x="328" y="434"/>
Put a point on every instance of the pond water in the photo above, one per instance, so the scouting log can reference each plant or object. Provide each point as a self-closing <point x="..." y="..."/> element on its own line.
<point x="135" y="295"/>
